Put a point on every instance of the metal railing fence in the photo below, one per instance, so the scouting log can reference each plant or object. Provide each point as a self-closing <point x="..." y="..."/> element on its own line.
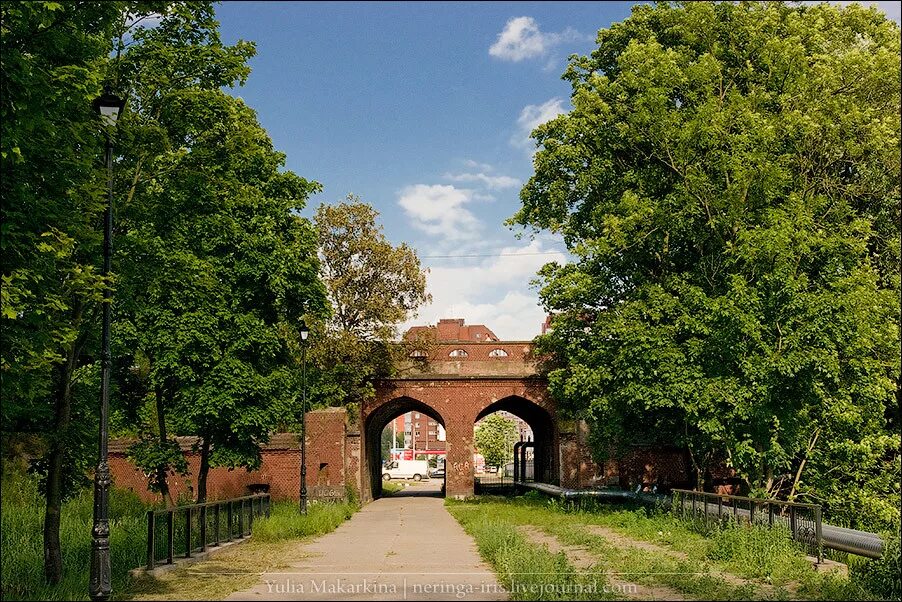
<point x="193" y="528"/>
<point x="802" y="521"/>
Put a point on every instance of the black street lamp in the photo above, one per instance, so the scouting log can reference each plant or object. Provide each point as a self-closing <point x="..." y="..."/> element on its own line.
<point x="109" y="107"/>
<point x="304" y="334"/>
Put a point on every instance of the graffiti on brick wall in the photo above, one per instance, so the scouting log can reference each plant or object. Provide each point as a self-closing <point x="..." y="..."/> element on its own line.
<point x="461" y="468"/>
<point x="327" y="492"/>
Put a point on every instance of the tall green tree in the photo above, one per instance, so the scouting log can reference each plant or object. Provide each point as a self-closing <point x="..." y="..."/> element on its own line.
<point x="372" y="286"/>
<point x="388" y="443"/>
<point x="166" y="71"/>
<point x="728" y="182"/>
<point x="219" y="270"/>
<point x="494" y="437"/>
<point x="54" y="60"/>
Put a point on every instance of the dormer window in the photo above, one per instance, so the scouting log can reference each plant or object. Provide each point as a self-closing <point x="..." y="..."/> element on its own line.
<point x="418" y="354"/>
<point x="458" y="353"/>
<point x="498" y="353"/>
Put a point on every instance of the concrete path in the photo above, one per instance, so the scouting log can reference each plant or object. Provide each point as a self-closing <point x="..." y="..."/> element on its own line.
<point x="403" y="547"/>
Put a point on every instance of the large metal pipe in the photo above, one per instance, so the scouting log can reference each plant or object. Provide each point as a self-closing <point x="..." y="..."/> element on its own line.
<point x="842" y="539"/>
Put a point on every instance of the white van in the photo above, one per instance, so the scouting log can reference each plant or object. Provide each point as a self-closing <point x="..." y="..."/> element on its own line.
<point x="406" y="469"/>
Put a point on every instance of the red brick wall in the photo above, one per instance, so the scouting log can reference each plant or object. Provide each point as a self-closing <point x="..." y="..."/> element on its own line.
<point x="336" y="457"/>
<point x="664" y="466"/>
<point x="280" y="470"/>
<point x="325" y="453"/>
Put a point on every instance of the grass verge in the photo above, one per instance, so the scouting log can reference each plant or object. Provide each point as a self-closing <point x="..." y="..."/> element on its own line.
<point x="21" y="542"/>
<point x="655" y="550"/>
<point x="528" y="572"/>
<point x="389" y="488"/>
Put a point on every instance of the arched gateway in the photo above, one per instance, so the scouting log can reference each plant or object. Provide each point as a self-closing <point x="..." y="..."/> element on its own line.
<point x="465" y="375"/>
<point x="462" y="375"/>
<point x="457" y="403"/>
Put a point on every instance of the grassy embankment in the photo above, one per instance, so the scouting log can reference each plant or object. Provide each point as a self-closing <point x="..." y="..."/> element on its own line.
<point x="532" y="541"/>
<point x="21" y="545"/>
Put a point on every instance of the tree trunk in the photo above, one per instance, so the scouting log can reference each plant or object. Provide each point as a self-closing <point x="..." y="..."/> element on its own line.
<point x="795" y="483"/>
<point x="204" y="469"/>
<point x="53" y="559"/>
<point x="162" y="484"/>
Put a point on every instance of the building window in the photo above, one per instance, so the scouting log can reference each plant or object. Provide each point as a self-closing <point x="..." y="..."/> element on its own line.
<point x="418" y="433"/>
<point x="458" y="353"/>
<point x="416" y="415"/>
<point x="431" y="432"/>
<point x="418" y="354"/>
<point x="498" y="353"/>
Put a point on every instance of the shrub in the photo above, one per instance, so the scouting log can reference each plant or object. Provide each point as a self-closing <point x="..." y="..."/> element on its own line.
<point x="881" y="577"/>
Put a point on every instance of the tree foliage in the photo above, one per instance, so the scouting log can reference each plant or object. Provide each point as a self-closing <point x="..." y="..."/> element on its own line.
<point x="728" y="182"/>
<point x="372" y="286"/>
<point x="212" y="268"/>
<point x="53" y="63"/>
<point x="494" y="437"/>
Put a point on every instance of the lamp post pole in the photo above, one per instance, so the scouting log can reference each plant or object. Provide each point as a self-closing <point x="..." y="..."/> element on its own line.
<point x="304" y="334"/>
<point x="109" y="107"/>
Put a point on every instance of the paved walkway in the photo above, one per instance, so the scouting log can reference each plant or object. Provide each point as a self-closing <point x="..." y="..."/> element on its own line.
<point x="403" y="547"/>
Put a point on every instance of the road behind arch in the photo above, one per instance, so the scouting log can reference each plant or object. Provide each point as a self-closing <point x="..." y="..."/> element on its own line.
<point x="402" y="547"/>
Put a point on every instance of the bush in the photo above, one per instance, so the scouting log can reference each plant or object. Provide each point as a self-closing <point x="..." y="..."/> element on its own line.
<point x="882" y="577"/>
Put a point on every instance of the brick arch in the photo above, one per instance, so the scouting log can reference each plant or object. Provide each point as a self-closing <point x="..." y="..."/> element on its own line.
<point x="457" y="401"/>
<point x="374" y="421"/>
<point x="544" y="430"/>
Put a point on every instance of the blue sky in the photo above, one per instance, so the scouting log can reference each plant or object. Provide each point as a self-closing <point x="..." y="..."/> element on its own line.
<point x="424" y="111"/>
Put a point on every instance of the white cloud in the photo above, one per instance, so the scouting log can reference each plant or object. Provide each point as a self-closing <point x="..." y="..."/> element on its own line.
<point x="494" y="291"/>
<point x="439" y="210"/>
<point x="533" y="116"/>
<point x="522" y="39"/>
<point x="477" y="165"/>
<point x="515" y="317"/>
<point x="489" y="181"/>
<point x="148" y="21"/>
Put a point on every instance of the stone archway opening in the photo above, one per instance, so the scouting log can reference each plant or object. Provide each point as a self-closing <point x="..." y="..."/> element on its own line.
<point x="374" y="424"/>
<point x="541" y="431"/>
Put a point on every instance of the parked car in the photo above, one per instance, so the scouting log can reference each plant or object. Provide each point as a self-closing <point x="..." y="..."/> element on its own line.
<point x="406" y="469"/>
<point x="437" y="473"/>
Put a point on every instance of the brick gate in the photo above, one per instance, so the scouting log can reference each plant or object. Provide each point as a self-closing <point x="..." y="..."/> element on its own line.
<point x="457" y="403"/>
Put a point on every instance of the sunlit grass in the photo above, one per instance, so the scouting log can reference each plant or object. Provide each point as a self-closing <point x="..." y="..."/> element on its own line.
<point x="22" y="552"/>
<point x="659" y="550"/>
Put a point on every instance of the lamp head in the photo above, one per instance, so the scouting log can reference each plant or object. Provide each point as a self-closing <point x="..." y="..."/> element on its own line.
<point x="305" y="332"/>
<point x="109" y="107"/>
